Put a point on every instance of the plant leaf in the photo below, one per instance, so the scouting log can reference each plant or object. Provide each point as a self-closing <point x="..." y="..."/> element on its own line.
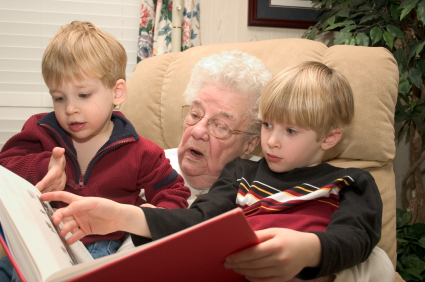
<point x="420" y="11"/>
<point x="333" y="26"/>
<point x="341" y="37"/>
<point x="368" y="18"/>
<point x="404" y="85"/>
<point x="402" y="241"/>
<point x="362" y="39"/>
<point x="394" y="11"/>
<point x="375" y="34"/>
<point x="313" y="33"/>
<point x="331" y="20"/>
<point x="416" y="272"/>
<point x="400" y="116"/>
<point x="401" y="58"/>
<point x="419" y="122"/>
<point x="348" y="28"/>
<point x="412" y="47"/>
<point x="415" y="77"/>
<point x="343" y="13"/>
<point x="407" y="8"/>
<point x="422" y="242"/>
<point x="420" y="47"/>
<point x="423" y="111"/>
<point x="418" y="229"/>
<point x="402" y="216"/>
<point x="420" y="65"/>
<point x="389" y="39"/>
<point x="407" y="3"/>
<point x="395" y="31"/>
<point x="385" y="16"/>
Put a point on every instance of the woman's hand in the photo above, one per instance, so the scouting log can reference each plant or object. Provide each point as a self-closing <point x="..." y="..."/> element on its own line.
<point x="280" y="256"/>
<point x="92" y="215"/>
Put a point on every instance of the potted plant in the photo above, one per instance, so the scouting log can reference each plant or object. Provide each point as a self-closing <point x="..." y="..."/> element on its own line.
<point x="410" y="248"/>
<point x="399" y="27"/>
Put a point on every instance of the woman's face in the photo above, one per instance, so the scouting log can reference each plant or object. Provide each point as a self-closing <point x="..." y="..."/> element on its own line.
<point x="203" y="156"/>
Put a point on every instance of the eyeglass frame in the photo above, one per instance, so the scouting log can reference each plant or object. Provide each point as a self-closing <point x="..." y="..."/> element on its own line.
<point x="232" y="131"/>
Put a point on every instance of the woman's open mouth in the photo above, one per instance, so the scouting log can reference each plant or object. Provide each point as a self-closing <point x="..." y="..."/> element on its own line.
<point x="196" y="153"/>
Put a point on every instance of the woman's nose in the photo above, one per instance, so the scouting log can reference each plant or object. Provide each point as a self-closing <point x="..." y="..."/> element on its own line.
<point x="200" y="130"/>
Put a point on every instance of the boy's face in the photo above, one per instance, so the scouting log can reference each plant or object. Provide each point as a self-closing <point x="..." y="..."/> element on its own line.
<point x="83" y="108"/>
<point x="286" y="147"/>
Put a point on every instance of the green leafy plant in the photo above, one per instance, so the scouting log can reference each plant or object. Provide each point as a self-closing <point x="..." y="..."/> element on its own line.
<point x="399" y="27"/>
<point x="410" y="248"/>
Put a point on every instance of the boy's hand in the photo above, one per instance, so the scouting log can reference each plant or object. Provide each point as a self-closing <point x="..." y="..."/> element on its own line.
<point x="147" y="205"/>
<point x="280" y="256"/>
<point x="55" y="178"/>
<point x="94" y="215"/>
<point x="84" y="215"/>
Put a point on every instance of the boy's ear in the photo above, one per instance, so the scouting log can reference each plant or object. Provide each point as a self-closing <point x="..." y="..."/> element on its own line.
<point x="332" y="139"/>
<point x="252" y="144"/>
<point x="120" y="92"/>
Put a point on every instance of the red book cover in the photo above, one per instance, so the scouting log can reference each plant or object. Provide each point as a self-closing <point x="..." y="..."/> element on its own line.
<point x="193" y="254"/>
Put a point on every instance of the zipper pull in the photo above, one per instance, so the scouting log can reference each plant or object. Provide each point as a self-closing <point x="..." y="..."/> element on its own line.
<point x="81" y="184"/>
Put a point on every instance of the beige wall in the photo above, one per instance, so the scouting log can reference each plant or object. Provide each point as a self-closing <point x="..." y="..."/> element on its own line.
<point x="224" y="21"/>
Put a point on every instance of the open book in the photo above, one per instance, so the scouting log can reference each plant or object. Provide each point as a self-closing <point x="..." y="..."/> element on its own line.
<point x="34" y="245"/>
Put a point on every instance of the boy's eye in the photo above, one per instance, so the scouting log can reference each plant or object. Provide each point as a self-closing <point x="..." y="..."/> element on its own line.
<point x="84" y="96"/>
<point x="267" y="125"/>
<point x="58" y="99"/>
<point x="291" y="131"/>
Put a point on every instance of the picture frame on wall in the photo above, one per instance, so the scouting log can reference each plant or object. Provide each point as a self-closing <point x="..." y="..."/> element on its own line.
<point x="282" y="13"/>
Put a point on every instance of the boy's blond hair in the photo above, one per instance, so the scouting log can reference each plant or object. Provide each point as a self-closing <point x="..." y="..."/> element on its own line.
<point x="309" y="95"/>
<point x="81" y="49"/>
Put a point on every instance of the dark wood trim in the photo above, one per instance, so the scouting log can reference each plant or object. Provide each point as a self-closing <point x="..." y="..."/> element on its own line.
<point x="254" y="20"/>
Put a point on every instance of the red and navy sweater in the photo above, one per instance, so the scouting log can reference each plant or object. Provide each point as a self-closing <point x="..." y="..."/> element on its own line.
<point x="342" y="207"/>
<point x="123" y="166"/>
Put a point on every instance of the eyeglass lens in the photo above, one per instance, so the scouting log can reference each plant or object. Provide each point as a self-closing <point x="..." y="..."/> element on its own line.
<point x="216" y="126"/>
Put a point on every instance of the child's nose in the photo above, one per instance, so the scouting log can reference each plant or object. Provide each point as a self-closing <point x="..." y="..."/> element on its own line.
<point x="273" y="141"/>
<point x="71" y="108"/>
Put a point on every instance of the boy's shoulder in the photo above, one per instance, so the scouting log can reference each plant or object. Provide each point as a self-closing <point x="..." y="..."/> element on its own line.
<point x="39" y="116"/>
<point x="123" y="128"/>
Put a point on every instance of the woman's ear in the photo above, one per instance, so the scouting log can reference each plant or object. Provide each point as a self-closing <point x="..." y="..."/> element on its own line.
<point x="332" y="139"/>
<point x="120" y="92"/>
<point x="250" y="146"/>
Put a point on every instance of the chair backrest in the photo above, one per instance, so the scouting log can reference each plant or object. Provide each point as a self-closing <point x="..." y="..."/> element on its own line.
<point x="156" y="86"/>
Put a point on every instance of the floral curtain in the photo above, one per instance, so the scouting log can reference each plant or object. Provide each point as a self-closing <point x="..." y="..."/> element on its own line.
<point x="155" y="27"/>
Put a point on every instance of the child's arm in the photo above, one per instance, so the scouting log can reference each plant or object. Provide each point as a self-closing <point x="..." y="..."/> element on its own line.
<point x="94" y="215"/>
<point x="24" y="153"/>
<point x="55" y="178"/>
<point x="164" y="187"/>
<point x="353" y="232"/>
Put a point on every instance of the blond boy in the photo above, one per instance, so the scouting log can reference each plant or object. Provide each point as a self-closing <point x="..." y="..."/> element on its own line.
<point x="84" y="147"/>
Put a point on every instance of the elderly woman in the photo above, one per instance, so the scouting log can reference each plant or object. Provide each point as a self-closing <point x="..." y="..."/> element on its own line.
<point x="224" y="89"/>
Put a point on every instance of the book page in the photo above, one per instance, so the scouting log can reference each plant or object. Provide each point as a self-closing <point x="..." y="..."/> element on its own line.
<point x="29" y="227"/>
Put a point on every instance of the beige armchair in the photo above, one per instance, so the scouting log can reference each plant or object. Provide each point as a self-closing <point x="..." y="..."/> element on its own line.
<point x="155" y="96"/>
